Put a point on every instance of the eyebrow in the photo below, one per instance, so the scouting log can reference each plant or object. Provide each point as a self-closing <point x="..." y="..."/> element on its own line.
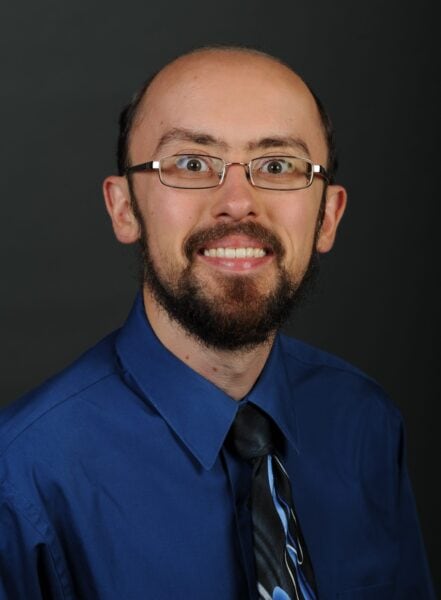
<point x="205" y="139"/>
<point x="188" y="135"/>
<point x="280" y="142"/>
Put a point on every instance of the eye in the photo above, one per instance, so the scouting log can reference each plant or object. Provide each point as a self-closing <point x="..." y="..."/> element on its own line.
<point x="276" y="166"/>
<point x="192" y="163"/>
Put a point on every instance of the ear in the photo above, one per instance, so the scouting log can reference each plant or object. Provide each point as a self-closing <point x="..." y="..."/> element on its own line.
<point x="335" y="207"/>
<point x="118" y="204"/>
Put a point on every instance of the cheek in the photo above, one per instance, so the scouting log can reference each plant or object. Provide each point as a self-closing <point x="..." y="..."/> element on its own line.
<point x="297" y="224"/>
<point x="168" y="222"/>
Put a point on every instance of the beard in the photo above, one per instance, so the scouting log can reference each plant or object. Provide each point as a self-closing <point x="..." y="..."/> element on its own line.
<point x="240" y="315"/>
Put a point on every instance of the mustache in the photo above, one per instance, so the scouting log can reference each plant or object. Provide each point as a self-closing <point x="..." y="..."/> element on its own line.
<point x="253" y="230"/>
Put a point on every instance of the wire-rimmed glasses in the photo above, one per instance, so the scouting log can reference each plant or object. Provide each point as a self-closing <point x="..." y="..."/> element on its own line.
<point x="200" y="171"/>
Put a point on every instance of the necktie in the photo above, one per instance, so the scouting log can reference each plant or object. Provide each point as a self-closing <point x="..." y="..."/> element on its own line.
<point x="283" y="567"/>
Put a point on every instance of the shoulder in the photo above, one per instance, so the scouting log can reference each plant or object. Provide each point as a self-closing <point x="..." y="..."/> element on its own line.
<point x="343" y="413"/>
<point x="333" y="385"/>
<point x="311" y="356"/>
<point x="50" y="401"/>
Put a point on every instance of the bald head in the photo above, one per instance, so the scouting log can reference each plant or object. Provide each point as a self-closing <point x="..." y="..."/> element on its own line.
<point x="227" y="83"/>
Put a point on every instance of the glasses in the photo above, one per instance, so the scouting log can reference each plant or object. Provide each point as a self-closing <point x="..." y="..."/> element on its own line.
<point x="199" y="171"/>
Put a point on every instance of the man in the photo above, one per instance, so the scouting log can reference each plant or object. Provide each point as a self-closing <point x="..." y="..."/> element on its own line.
<point x="130" y="475"/>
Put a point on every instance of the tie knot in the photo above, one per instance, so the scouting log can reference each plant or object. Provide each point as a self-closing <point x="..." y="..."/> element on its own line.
<point x="252" y="433"/>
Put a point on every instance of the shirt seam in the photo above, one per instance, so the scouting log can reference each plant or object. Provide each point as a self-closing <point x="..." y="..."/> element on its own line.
<point x="348" y="369"/>
<point x="10" y="500"/>
<point x="69" y="397"/>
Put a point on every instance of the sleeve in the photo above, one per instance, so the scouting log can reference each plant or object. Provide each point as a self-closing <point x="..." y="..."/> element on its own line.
<point x="28" y="565"/>
<point x="413" y="578"/>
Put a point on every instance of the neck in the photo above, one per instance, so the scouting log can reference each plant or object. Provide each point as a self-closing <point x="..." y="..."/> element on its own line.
<point x="233" y="371"/>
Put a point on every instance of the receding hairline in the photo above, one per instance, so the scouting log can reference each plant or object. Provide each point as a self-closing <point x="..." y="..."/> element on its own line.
<point x="132" y="113"/>
<point x="213" y="51"/>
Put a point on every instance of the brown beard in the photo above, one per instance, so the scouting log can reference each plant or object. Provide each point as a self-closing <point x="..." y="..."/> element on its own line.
<point x="240" y="316"/>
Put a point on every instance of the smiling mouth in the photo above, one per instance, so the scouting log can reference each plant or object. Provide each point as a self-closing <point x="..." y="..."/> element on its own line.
<point x="245" y="245"/>
<point x="228" y="252"/>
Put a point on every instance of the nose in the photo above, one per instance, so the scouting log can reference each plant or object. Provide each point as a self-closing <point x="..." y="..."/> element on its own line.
<point x="236" y="198"/>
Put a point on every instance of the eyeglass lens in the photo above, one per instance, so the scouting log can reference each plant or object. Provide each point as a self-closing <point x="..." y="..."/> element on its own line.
<point x="199" y="171"/>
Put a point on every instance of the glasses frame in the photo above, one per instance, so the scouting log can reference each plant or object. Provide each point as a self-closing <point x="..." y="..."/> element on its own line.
<point x="155" y="165"/>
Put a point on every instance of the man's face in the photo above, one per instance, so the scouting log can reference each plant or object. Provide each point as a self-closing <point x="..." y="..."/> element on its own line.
<point x="236" y="107"/>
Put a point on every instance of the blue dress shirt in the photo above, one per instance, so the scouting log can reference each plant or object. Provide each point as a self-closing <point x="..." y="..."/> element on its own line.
<point x="115" y="484"/>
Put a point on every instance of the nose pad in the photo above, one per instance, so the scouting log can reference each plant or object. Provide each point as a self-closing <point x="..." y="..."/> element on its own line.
<point x="236" y="198"/>
<point x="246" y="167"/>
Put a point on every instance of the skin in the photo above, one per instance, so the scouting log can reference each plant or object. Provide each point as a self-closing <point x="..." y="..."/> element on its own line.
<point x="239" y="100"/>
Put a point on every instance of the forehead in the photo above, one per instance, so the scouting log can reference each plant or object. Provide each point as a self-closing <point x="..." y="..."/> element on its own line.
<point x="234" y="98"/>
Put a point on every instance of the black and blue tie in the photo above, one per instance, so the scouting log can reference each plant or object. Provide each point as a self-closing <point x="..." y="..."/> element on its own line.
<point x="283" y="567"/>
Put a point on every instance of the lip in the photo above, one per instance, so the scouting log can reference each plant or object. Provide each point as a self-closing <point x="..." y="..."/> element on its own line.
<point x="235" y="241"/>
<point x="236" y="265"/>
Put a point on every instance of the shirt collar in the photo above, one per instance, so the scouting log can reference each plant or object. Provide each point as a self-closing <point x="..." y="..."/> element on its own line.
<point x="273" y="393"/>
<point x="198" y="412"/>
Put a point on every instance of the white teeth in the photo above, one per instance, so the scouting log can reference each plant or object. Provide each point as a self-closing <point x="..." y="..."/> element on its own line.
<point x="235" y="252"/>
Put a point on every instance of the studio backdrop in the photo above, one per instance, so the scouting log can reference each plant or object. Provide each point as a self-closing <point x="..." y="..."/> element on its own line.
<point x="67" y="70"/>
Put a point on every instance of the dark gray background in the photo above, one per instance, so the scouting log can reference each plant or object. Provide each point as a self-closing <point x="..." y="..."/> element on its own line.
<point x="67" y="69"/>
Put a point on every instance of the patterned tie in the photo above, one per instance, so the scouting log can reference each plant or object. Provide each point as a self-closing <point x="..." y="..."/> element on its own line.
<point x="283" y="567"/>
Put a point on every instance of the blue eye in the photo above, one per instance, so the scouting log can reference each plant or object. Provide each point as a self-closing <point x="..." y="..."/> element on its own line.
<point x="194" y="164"/>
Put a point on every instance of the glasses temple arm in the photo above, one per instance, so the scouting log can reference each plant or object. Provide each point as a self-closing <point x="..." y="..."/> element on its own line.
<point x="147" y="166"/>
<point x="321" y="171"/>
